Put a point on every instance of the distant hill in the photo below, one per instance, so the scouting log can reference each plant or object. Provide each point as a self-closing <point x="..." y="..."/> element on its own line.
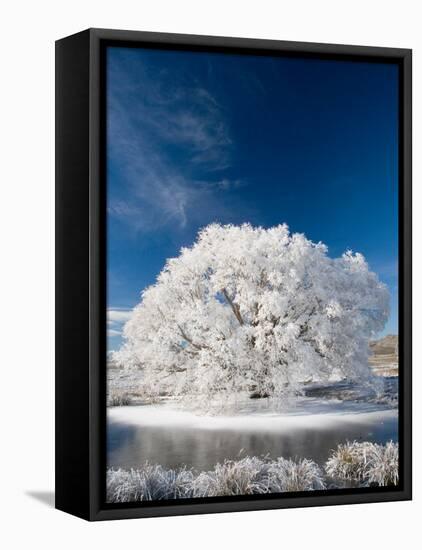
<point x="385" y="346"/>
<point x="384" y="358"/>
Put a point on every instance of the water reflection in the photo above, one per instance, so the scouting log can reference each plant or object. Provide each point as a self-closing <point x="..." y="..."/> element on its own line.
<point x="129" y="446"/>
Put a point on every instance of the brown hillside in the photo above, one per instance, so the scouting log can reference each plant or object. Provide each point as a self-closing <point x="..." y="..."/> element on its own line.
<point x="384" y="358"/>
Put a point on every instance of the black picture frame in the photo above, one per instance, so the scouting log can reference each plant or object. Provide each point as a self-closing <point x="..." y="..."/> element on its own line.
<point x="81" y="274"/>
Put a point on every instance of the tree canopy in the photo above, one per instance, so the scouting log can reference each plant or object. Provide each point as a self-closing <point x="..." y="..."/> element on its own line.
<point x="249" y="309"/>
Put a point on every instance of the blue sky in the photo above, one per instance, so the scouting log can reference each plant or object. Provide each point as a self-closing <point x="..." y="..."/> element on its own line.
<point x="195" y="137"/>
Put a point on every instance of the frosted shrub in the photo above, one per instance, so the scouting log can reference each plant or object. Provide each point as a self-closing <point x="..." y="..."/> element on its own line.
<point x="118" y="399"/>
<point x="124" y="485"/>
<point x="248" y="476"/>
<point x="253" y="475"/>
<point x="365" y="463"/>
<point x="153" y="482"/>
<point x="288" y="475"/>
<point x="383" y="465"/>
<point x="348" y="461"/>
<point x="148" y="393"/>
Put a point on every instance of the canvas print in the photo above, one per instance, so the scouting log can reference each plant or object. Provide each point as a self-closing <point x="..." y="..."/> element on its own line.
<point x="252" y="275"/>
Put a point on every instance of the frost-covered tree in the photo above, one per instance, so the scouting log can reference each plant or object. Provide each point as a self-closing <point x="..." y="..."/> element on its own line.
<point x="248" y="309"/>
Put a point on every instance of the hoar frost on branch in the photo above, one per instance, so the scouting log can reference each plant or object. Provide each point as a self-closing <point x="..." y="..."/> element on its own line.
<point x="248" y="309"/>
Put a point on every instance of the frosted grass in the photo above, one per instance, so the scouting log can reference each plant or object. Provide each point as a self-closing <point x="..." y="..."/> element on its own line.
<point x="248" y="476"/>
<point x="365" y="464"/>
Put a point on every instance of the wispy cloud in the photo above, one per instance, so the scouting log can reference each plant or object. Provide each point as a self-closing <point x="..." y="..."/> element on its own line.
<point x="118" y="315"/>
<point x="170" y="144"/>
<point x="116" y="318"/>
<point x="114" y="332"/>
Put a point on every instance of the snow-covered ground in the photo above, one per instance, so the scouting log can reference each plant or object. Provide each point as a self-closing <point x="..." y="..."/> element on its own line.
<point x="256" y="415"/>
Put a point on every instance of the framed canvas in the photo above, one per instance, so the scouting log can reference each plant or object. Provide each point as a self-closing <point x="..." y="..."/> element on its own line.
<point x="233" y="277"/>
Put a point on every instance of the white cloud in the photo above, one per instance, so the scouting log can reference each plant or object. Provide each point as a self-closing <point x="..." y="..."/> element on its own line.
<point x="116" y="318"/>
<point x="118" y="315"/>
<point x="113" y="332"/>
<point x="166" y="115"/>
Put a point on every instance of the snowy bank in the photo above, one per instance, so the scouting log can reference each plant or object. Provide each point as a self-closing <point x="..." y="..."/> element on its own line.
<point x="307" y="412"/>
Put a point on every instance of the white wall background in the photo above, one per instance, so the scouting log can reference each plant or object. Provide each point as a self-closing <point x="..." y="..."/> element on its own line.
<point x="29" y="29"/>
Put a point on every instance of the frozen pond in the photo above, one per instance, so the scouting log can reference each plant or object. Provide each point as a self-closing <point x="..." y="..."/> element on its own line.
<point x="172" y="437"/>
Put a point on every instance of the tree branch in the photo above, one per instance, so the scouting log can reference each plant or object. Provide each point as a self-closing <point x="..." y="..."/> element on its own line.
<point x="189" y="340"/>
<point x="235" y="307"/>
